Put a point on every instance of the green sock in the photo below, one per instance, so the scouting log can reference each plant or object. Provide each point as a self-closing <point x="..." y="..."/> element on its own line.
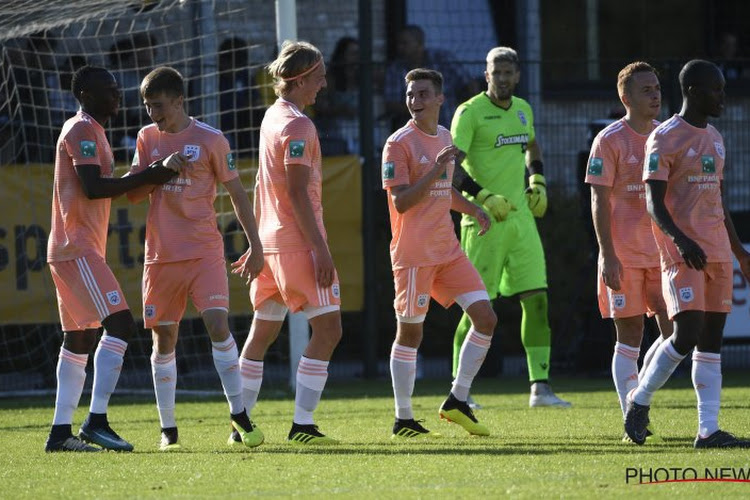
<point x="458" y="340"/>
<point x="536" y="335"/>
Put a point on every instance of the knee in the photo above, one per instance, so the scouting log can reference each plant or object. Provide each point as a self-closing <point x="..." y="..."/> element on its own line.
<point x="485" y="321"/>
<point x="121" y="325"/>
<point x="80" y="342"/>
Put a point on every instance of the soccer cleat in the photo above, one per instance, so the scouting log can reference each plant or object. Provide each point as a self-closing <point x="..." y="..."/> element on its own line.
<point x="411" y="429"/>
<point x="250" y="435"/>
<point x="651" y="438"/>
<point x="473" y="404"/>
<point x="234" y="438"/>
<point x="459" y="413"/>
<point x="308" y="434"/>
<point x="71" y="443"/>
<point x="169" y="440"/>
<point x="721" y="439"/>
<point x="542" y="395"/>
<point x="636" y="421"/>
<point x="104" y="436"/>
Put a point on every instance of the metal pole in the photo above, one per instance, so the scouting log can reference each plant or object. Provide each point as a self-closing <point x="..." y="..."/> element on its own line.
<point x="299" y="330"/>
<point x="366" y="129"/>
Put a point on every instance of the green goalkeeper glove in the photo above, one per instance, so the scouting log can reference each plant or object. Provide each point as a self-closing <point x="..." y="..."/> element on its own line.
<point x="497" y="205"/>
<point x="536" y="195"/>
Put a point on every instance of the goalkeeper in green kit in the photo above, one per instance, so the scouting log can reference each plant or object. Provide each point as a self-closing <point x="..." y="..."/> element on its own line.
<point x="494" y="131"/>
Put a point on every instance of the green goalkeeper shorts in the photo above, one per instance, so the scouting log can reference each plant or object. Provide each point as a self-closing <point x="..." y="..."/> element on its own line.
<point x="510" y="257"/>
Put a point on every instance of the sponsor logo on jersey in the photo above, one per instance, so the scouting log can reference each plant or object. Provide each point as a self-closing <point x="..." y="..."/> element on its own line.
<point x="633" y="159"/>
<point x="653" y="162"/>
<point x="230" y="162"/>
<point x="596" y="165"/>
<point x="618" y="300"/>
<point x="719" y="149"/>
<point x="389" y="170"/>
<point x="521" y="139"/>
<point x="192" y="151"/>
<point x="424" y="160"/>
<point x="88" y="149"/>
<point x="691" y="152"/>
<point x="149" y="311"/>
<point x="155" y="153"/>
<point x="686" y="294"/>
<point x="707" y="161"/>
<point x="493" y="117"/>
<point x="114" y="297"/>
<point x="422" y="300"/>
<point x="296" y="149"/>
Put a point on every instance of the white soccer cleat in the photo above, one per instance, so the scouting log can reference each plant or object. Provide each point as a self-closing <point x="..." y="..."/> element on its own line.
<point x="542" y="395"/>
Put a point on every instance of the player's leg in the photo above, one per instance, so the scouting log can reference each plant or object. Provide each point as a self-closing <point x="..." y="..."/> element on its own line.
<point x="487" y="253"/>
<point x="629" y="333"/>
<point x="683" y="290"/>
<point x="525" y="275"/>
<point x="658" y="307"/>
<point x="71" y="376"/>
<point x="164" y="375"/>
<point x="706" y="369"/>
<point x="93" y="297"/>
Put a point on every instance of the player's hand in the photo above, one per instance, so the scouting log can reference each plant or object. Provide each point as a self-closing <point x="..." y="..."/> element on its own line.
<point x="446" y="157"/>
<point x="611" y="270"/>
<point x="157" y="173"/>
<point x="691" y="252"/>
<point x="176" y="161"/>
<point x="536" y="195"/>
<point x="325" y="272"/>
<point x="249" y="265"/>
<point x="484" y="221"/>
<point x="744" y="261"/>
<point x="497" y="205"/>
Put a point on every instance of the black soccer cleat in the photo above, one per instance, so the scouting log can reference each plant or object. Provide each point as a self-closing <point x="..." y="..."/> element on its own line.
<point x="308" y="434"/>
<point x="169" y="439"/>
<point x="71" y="443"/>
<point x="407" y="429"/>
<point x="720" y="439"/>
<point x="96" y="430"/>
<point x="636" y="422"/>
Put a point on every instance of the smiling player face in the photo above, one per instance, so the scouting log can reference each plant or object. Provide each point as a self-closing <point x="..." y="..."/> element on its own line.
<point x="165" y="111"/>
<point x="423" y="101"/>
<point x="502" y="78"/>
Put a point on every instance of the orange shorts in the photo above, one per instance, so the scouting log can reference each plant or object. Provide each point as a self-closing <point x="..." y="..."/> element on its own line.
<point x="167" y="286"/>
<point x="87" y="292"/>
<point x="639" y="293"/>
<point x="290" y="278"/>
<point x="444" y="282"/>
<point x="687" y="289"/>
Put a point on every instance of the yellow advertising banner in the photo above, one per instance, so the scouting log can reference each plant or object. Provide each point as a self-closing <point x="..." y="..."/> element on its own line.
<point x="27" y="294"/>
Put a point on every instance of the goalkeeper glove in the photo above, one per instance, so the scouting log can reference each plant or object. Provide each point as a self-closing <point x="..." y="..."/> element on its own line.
<point x="497" y="205"/>
<point x="536" y="195"/>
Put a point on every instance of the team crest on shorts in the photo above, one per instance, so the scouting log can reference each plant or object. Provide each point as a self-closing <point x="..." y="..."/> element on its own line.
<point x="422" y="300"/>
<point x="686" y="294"/>
<point x="335" y="290"/>
<point x="193" y="151"/>
<point x="149" y="311"/>
<point x="114" y="297"/>
<point x="618" y="300"/>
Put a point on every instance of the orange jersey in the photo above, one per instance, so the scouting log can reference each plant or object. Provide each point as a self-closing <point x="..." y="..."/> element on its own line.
<point x="287" y="137"/>
<point x="616" y="161"/>
<point x="691" y="161"/>
<point x="181" y="222"/>
<point x="79" y="225"/>
<point x="423" y="235"/>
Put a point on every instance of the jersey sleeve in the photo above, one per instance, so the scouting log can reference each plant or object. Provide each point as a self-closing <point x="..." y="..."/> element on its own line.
<point x="140" y="157"/>
<point x="82" y="146"/>
<point x="601" y="168"/>
<point x="658" y="159"/>
<point x="462" y="128"/>
<point x="222" y="160"/>
<point x="395" y="167"/>
<point x="297" y="139"/>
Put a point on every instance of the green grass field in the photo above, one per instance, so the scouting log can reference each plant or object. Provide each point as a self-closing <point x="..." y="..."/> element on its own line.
<point x="532" y="452"/>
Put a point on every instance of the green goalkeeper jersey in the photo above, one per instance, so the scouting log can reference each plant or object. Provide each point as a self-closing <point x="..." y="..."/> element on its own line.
<point x="495" y="140"/>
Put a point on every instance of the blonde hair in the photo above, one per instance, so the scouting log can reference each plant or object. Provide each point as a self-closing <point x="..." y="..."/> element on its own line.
<point x="626" y="74"/>
<point x="296" y="60"/>
<point x="503" y="54"/>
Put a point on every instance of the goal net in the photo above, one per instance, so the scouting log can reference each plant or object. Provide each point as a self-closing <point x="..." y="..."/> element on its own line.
<point x="221" y="48"/>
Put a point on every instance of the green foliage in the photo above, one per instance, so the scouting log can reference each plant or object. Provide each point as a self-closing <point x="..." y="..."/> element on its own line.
<point x="532" y="453"/>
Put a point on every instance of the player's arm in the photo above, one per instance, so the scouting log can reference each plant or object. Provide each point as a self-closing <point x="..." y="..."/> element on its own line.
<point x="497" y="205"/>
<point x="406" y="196"/>
<point x="95" y="186"/>
<point x="742" y="255"/>
<point x="297" y="180"/>
<point x="536" y="193"/>
<point x="609" y="264"/>
<point x="690" y="251"/>
<point x="175" y="162"/>
<point x="460" y="204"/>
<point x="251" y="263"/>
